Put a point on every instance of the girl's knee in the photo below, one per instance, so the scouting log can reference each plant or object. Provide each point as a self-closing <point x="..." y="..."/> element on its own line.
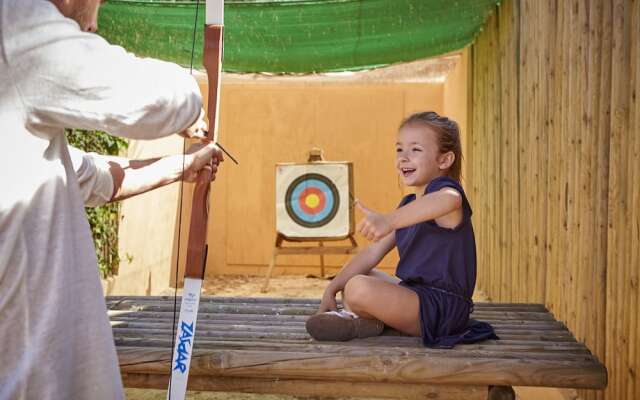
<point x="356" y="292"/>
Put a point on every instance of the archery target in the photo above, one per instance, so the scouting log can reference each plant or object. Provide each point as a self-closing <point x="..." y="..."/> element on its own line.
<point x="312" y="200"/>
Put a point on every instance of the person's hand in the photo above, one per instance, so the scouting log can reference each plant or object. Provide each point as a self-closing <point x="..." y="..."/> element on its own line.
<point x="201" y="155"/>
<point x="328" y="302"/>
<point x="197" y="130"/>
<point x="374" y="226"/>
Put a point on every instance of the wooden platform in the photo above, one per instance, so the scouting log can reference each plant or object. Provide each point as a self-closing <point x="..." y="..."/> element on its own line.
<point x="260" y="345"/>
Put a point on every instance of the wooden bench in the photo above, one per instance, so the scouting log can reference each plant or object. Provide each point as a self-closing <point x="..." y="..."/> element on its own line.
<point x="260" y="345"/>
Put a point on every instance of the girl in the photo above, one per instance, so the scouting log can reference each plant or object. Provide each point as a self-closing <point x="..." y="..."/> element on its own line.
<point x="436" y="274"/>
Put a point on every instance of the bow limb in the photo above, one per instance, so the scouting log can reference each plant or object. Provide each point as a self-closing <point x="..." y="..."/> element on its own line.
<point x="197" y="247"/>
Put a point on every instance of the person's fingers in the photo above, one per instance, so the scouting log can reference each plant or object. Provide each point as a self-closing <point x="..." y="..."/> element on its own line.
<point x="205" y="150"/>
<point x="371" y="233"/>
<point x="216" y="155"/>
<point x="364" y="231"/>
<point x="363" y="208"/>
<point x="362" y="225"/>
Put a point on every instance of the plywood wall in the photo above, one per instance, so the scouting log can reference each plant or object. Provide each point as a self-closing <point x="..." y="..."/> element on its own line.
<point x="554" y="136"/>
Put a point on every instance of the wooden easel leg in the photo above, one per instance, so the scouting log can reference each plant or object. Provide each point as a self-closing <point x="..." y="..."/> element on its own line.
<point x="321" y="261"/>
<point x="265" y="286"/>
<point x="354" y="244"/>
<point x="272" y="263"/>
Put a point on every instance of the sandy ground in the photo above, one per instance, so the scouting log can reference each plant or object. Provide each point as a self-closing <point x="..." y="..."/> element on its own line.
<point x="296" y="286"/>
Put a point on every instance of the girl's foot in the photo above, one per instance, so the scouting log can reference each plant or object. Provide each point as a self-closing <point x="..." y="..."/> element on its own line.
<point x="341" y="326"/>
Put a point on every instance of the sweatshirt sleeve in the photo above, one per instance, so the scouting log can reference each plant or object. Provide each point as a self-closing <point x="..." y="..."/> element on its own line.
<point x="69" y="78"/>
<point x="94" y="177"/>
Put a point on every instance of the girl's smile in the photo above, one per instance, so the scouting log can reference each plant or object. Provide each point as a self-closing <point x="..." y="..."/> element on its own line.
<point x="407" y="172"/>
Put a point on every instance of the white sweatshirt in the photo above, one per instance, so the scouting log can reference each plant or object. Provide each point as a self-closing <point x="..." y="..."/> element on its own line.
<point x="55" y="338"/>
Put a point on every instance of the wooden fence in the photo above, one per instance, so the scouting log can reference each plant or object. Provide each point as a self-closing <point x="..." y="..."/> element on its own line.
<point x="554" y="134"/>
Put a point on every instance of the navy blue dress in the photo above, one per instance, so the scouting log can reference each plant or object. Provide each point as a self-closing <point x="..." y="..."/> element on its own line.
<point x="439" y="265"/>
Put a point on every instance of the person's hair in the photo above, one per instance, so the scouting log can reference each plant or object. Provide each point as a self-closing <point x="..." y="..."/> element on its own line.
<point x="448" y="136"/>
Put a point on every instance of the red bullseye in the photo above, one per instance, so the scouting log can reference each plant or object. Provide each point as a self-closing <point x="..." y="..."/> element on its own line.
<point x="307" y="200"/>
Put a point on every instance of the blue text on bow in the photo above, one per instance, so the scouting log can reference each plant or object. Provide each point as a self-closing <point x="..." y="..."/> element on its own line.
<point x="186" y="335"/>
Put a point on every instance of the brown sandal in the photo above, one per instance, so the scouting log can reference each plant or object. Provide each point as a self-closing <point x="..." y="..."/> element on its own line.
<point x="339" y="326"/>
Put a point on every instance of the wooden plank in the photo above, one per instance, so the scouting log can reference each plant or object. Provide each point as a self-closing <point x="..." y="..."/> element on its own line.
<point x="406" y="342"/>
<point x="212" y="303"/>
<point x="301" y="387"/>
<point x="287" y="301"/>
<point x="619" y="257"/>
<point x="489" y="316"/>
<point x="287" y="335"/>
<point x="392" y="368"/>
<point x="292" y="320"/>
<point x="357" y="347"/>
<point x="633" y="277"/>
<point x="249" y="326"/>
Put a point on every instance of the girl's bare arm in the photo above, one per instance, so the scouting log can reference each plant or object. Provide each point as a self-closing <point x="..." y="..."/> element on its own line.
<point x="446" y="204"/>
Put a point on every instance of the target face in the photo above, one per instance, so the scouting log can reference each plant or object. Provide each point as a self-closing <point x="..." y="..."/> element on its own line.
<point x="312" y="200"/>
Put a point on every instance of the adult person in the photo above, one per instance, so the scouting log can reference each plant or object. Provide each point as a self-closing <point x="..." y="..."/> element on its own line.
<point x="55" y="338"/>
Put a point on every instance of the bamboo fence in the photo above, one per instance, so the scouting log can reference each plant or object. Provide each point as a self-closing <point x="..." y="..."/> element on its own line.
<point x="554" y="125"/>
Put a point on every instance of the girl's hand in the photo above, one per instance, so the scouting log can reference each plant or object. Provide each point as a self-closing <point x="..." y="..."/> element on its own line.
<point x="328" y="302"/>
<point x="374" y="226"/>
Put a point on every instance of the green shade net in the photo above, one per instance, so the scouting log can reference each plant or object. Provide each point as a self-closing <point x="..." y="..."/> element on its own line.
<point x="298" y="36"/>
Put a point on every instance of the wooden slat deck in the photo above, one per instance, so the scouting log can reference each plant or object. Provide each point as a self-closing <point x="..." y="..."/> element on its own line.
<point x="260" y="345"/>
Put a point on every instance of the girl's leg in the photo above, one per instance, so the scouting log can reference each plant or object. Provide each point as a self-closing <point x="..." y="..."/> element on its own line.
<point x="395" y="305"/>
<point x="376" y="273"/>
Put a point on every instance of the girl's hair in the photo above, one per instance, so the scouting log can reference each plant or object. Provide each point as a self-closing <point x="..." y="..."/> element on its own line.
<point x="448" y="136"/>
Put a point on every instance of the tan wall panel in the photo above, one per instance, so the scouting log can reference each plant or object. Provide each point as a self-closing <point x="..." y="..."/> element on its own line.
<point x="154" y="216"/>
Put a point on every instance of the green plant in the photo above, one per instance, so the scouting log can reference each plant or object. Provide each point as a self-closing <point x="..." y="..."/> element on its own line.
<point x="103" y="220"/>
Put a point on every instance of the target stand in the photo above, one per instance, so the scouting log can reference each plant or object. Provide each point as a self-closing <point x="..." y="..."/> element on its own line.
<point x="320" y="249"/>
<point x="313" y="204"/>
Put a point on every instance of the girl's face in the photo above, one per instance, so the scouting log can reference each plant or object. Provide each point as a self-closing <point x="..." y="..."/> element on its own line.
<point x="418" y="158"/>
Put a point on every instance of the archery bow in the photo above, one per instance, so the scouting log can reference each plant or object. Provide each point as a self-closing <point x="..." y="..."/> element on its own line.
<point x="197" y="247"/>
